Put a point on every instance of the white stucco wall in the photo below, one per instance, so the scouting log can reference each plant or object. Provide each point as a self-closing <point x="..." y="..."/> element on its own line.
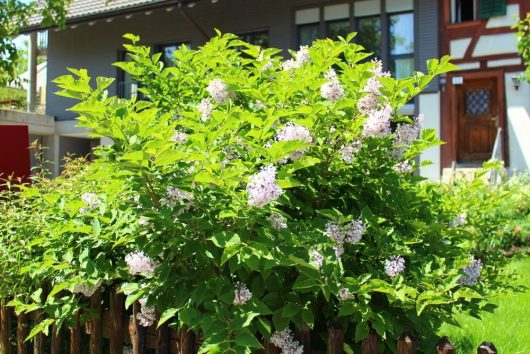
<point x="518" y="108"/>
<point x="429" y="106"/>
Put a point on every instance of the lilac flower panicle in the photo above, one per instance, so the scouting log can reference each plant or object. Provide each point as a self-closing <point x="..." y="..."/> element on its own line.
<point x="91" y="201"/>
<point x="334" y="231"/>
<point x="339" y="251"/>
<point x="301" y="57"/>
<point x="143" y="221"/>
<point x="179" y="137"/>
<point x="471" y="273"/>
<point x="350" y="233"/>
<point x="206" y="109"/>
<point x="345" y="294"/>
<point x="241" y="294"/>
<point x="373" y="85"/>
<point x="277" y="221"/>
<point x="332" y="90"/>
<point x="294" y="132"/>
<point x="218" y="90"/>
<point x="406" y="133"/>
<point x="403" y="167"/>
<point x="317" y="257"/>
<point x="86" y="289"/>
<point x="353" y="231"/>
<point x="285" y="341"/>
<point x="378" y="122"/>
<point x="147" y="315"/>
<point x="173" y="196"/>
<point x="140" y="263"/>
<point x="394" y="265"/>
<point x="347" y="153"/>
<point x="262" y="188"/>
<point x="367" y="103"/>
<point x="459" y="220"/>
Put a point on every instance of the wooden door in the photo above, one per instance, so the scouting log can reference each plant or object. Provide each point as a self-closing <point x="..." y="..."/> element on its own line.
<point x="478" y="119"/>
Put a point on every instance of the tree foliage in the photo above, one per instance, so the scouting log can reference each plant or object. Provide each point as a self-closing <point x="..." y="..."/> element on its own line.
<point x="523" y="34"/>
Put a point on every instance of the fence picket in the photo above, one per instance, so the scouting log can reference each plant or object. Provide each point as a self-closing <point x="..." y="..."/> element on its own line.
<point x="445" y="346"/>
<point x="5" y="329"/>
<point x="96" y="324"/>
<point x="162" y="340"/>
<point x="370" y="344"/>
<point x="304" y="337"/>
<point x="136" y="331"/>
<point x="22" y="333"/>
<point x="75" y="337"/>
<point x="187" y="341"/>
<point x="56" y="342"/>
<point x="117" y="305"/>
<point x="406" y="344"/>
<point x="335" y="343"/>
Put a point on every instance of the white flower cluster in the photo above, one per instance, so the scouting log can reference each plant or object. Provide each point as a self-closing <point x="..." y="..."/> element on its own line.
<point x="140" y="263"/>
<point x="302" y="57"/>
<point x="317" y="257"/>
<point x="345" y="294"/>
<point x="147" y="315"/>
<point x="219" y="92"/>
<point x="378" y="122"/>
<point x="347" y="153"/>
<point x="367" y="103"/>
<point x="350" y="233"/>
<point x="332" y="90"/>
<point x="277" y="221"/>
<point x="173" y="196"/>
<point x="285" y="341"/>
<point x="405" y="135"/>
<point x="241" y="294"/>
<point x="292" y="132"/>
<point x="471" y="273"/>
<point x="87" y="290"/>
<point x="262" y="188"/>
<point x="370" y="102"/>
<point x="91" y="201"/>
<point x="403" y="167"/>
<point x="268" y="65"/>
<point x="460" y="220"/>
<point x="206" y="109"/>
<point x="143" y="221"/>
<point x="179" y="137"/>
<point x="394" y="265"/>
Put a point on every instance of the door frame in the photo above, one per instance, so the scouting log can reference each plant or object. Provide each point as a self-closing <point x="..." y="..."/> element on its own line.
<point x="449" y="123"/>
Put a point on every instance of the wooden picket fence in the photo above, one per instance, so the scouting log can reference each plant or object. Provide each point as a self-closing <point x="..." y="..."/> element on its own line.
<point x="116" y="328"/>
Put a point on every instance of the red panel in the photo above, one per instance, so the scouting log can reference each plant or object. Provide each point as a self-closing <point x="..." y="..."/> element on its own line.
<point x="14" y="152"/>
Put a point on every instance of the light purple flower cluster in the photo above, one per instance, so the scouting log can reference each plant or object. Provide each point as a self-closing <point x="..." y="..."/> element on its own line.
<point x="206" y="109"/>
<point x="460" y="220"/>
<point x="173" y="196"/>
<point x="367" y="103"/>
<point x="277" y="221"/>
<point x="332" y="90"/>
<point x="147" y="315"/>
<point x="403" y="167"/>
<point x="394" y="265"/>
<point x="262" y="188"/>
<point x="370" y="102"/>
<point x="292" y="132"/>
<point x="378" y="122"/>
<point x="405" y="135"/>
<point x="218" y="90"/>
<point x="301" y="57"/>
<point x="268" y="65"/>
<point x="317" y="257"/>
<point x="241" y="294"/>
<point x="140" y="263"/>
<point x="143" y="221"/>
<point x="91" y="201"/>
<point x="471" y="273"/>
<point x="86" y="289"/>
<point x="347" y="153"/>
<point x="285" y="341"/>
<point x="179" y="137"/>
<point x="345" y="294"/>
<point x="349" y="233"/>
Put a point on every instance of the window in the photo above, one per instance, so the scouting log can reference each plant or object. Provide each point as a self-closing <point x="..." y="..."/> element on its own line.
<point x="402" y="44"/>
<point x="470" y="10"/>
<point x="260" y="38"/>
<point x="167" y="51"/>
<point x="369" y="35"/>
<point x="126" y="86"/>
<point x="337" y="28"/>
<point x="307" y="33"/>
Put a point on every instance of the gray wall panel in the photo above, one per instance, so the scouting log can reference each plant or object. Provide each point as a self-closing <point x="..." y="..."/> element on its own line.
<point x="427" y="35"/>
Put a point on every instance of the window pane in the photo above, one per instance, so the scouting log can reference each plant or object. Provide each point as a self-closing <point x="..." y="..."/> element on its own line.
<point x="369" y="34"/>
<point x="257" y="38"/>
<point x="402" y="67"/>
<point x="337" y="28"/>
<point x="167" y="54"/>
<point x="307" y="33"/>
<point x="402" y="34"/>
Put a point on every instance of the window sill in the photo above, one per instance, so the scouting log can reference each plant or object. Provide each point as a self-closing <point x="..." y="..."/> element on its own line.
<point x="466" y="24"/>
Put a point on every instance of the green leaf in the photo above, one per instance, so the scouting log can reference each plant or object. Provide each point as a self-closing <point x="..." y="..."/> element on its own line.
<point x="166" y="316"/>
<point x="247" y="339"/>
<point x="290" y="310"/>
<point x="225" y="239"/>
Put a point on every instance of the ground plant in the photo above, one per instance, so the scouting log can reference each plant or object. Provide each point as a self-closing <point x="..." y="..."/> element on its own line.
<point x="248" y="196"/>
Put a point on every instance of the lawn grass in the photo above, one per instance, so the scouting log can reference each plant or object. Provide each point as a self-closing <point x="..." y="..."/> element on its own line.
<point x="508" y="327"/>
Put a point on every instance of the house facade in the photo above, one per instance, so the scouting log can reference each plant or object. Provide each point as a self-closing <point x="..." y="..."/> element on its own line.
<point x="404" y="34"/>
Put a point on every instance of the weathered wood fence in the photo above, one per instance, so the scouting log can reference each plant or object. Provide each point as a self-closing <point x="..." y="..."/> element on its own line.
<point x="116" y="328"/>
